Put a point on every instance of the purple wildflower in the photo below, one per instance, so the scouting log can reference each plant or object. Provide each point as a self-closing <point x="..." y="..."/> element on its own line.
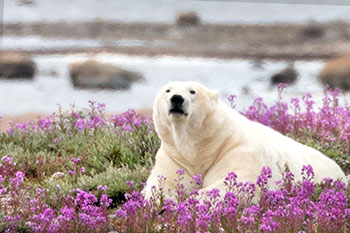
<point x="198" y="179"/>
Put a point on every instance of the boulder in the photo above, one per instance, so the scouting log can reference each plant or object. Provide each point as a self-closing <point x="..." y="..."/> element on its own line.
<point x="336" y="73"/>
<point x="313" y="30"/>
<point x="187" y="18"/>
<point x="16" y="66"/>
<point x="95" y="75"/>
<point x="288" y="75"/>
<point x="57" y="175"/>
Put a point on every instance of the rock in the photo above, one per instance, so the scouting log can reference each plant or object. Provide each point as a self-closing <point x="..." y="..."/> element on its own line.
<point x="336" y="73"/>
<point x="288" y="75"/>
<point x="245" y="90"/>
<point x="95" y="75"/>
<point x="313" y="30"/>
<point x="58" y="175"/>
<point x="25" y="2"/>
<point x="257" y="63"/>
<point x="188" y="18"/>
<point x="16" y="66"/>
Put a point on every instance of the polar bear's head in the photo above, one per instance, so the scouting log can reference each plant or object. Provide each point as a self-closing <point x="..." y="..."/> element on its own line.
<point x="179" y="102"/>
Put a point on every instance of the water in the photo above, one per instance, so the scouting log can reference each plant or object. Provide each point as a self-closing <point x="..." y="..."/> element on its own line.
<point x="238" y="77"/>
<point x="39" y="43"/>
<point x="166" y="10"/>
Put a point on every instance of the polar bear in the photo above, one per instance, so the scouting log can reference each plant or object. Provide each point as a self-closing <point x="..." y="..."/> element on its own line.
<point x="202" y="135"/>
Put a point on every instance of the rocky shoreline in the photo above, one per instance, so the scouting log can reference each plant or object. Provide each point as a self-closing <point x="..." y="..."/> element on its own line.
<point x="307" y="41"/>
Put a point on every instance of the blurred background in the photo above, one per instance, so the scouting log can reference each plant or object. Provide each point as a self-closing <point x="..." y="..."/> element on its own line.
<point x="120" y="52"/>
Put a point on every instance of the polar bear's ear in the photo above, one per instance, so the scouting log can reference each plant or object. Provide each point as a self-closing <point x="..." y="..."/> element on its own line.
<point x="214" y="95"/>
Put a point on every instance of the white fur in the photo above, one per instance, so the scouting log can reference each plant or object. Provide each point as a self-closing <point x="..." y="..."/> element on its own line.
<point x="213" y="139"/>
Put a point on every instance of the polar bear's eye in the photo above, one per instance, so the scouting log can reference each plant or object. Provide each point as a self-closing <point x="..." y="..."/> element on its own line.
<point x="192" y="92"/>
<point x="167" y="91"/>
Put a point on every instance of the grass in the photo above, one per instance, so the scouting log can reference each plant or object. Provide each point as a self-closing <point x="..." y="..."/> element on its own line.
<point x="69" y="171"/>
<point x="45" y="147"/>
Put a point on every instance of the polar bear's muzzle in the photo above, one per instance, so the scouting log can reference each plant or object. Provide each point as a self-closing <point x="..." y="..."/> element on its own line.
<point x="177" y="102"/>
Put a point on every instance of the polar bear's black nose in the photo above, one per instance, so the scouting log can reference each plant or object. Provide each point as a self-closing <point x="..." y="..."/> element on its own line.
<point x="177" y="100"/>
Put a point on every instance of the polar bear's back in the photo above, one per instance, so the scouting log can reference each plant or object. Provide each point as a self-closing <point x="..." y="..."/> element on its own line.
<point x="296" y="155"/>
<point x="322" y="165"/>
<point x="276" y="150"/>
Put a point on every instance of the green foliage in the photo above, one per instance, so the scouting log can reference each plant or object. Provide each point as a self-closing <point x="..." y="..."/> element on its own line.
<point x="66" y="152"/>
<point x="110" y="151"/>
<point x="65" y="155"/>
<point x="114" y="178"/>
<point x="37" y="153"/>
<point x="334" y="150"/>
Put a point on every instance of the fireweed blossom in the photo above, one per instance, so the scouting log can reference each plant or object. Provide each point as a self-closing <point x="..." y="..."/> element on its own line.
<point x="44" y="123"/>
<point x="198" y="179"/>
<point x="21" y="127"/>
<point x="329" y="124"/>
<point x="57" y="140"/>
<point x="129" y="120"/>
<point x="293" y="207"/>
<point x="81" y="124"/>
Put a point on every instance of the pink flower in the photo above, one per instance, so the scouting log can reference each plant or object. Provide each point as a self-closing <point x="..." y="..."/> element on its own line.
<point x="57" y="140"/>
<point x="80" y="124"/>
<point x="71" y="173"/>
<point x="76" y="160"/>
<point x="10" y="131"/>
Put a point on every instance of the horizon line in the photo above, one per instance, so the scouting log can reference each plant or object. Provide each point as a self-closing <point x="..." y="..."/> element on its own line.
<point x="292" y="2"/>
